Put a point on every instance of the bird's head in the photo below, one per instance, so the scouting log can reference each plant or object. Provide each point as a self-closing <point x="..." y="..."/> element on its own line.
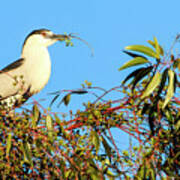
<point x="43" y="37"/>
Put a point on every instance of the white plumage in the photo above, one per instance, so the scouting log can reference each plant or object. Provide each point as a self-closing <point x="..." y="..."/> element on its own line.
<point x="28" y="75"/>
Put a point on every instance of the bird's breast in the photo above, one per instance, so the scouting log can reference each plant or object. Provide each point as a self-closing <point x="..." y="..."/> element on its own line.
<point x="38" y="68"/>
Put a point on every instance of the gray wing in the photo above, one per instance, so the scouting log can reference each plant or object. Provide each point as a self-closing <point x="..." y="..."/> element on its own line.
<point x="8" y="86"/>
<point x="13" y="65"/>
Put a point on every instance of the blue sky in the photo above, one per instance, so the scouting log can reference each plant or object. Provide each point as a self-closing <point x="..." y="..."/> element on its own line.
<point x="108" y="26"/>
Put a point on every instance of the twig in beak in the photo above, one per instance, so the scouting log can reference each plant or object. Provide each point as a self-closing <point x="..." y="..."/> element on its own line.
<point x="72" y="35"/>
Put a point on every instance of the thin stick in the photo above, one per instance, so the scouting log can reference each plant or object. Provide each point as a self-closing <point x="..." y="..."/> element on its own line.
<point x="72" y="35"/>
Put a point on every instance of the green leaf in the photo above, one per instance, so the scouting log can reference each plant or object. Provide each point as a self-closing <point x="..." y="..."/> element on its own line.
<point x="157" y="47"/>
<point x="153" y="44"/>
<point x="134" y="55"/>
<point x="177" y="125"/>
<point x="176" y="63"/>
<point x="145" y="108"/>
<point x="152" y="85"/>
<point x="140" y="76"/>
<point x="80" y="92"/>
<point x="93" y="172"/>
<point x="134" y="62"/>
<point x="151" y="119"/>
<point x="143" y="49"/>
<point x="142" y="171"/>
<point x="67" y="173"/>
<point x="111" y="175"/>
<point x="89" y="84"/>
<point x="66" y="99"/>
<point x="95" y="140"/>
<point x="106" y="147"/>
<point x="175" y="82"/>
<point x="27" y="152"/>
<point x="163" y="81"/>
<point x="134" y="73"/>
<point x="8" y="144"/>
<point x="54" y="99"/>
<point x="151" y="173"/>
<point x="49" y="125"/>
<point x="36" y="115"/>
<point x="69" y="43"/>
<point x="170" y="89"/>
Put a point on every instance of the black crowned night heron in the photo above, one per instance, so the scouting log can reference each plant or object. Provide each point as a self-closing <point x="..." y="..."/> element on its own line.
<point x="28" y="75"/>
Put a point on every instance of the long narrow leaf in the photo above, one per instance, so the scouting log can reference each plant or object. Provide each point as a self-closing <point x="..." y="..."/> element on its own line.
<point x="106" y="147"/>
<point x="27" y="153"/>
<point x="54" y="99"/>
<point x="163" y="81"/>
<point x="134" y="55"/>
<point x="175" y="82"/>
<point x="140" y="76"/>
<point x="157" y="47"/>
<point x="49" y="125"/>
<point x="95" y="140"/>
<point x="151" y="120"/>
<point x="170" y="90"/>
<point x="153" y="44"/>
<point x="134" y="62"/>
<point x="134" y="73"/>
<point x="79" y="92"/>
<point x="36" y="116"/>
<point x="8" y="144"/>
<point x="66" y="99"/>
<point x="143" y="49"/>
<point x="152" y="85"/>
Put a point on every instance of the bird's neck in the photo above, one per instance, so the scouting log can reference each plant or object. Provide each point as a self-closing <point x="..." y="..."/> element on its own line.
<point x="34" y="51"/>
<point x="38" y="66"/>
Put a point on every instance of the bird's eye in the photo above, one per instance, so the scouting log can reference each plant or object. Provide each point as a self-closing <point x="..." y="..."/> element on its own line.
<point x="44" y="34"/>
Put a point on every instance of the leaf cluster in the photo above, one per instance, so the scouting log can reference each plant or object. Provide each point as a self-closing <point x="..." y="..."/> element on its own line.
<point x="40" y="144"/>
